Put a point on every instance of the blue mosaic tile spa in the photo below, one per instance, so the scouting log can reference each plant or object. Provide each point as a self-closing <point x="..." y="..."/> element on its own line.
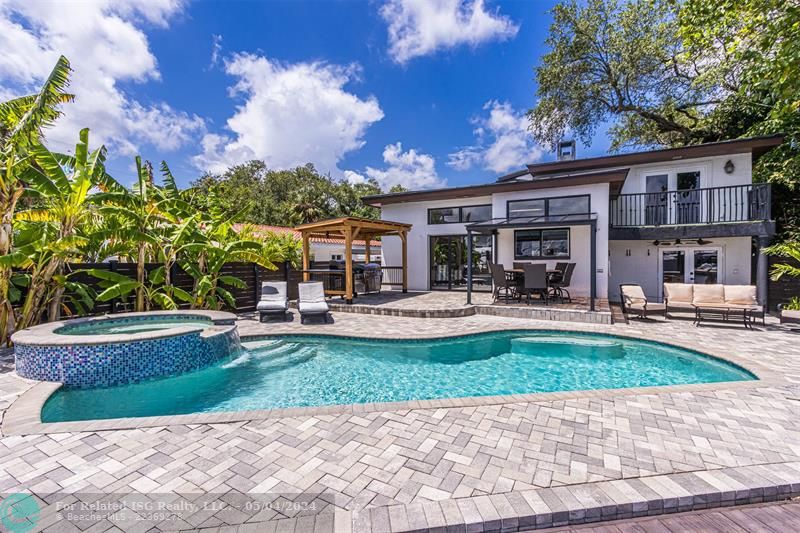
<point x="124" y="349"/>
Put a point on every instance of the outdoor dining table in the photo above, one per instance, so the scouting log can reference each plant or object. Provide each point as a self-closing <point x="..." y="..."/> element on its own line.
<point x="518" y="275"/>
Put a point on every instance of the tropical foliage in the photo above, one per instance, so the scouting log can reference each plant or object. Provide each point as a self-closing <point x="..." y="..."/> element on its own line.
<point x="283" y="197"/>
<point x="59" y="210"/>
<point x="668" y="73"/>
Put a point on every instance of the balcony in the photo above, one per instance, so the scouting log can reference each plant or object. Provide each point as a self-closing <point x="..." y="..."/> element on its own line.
<point x="717" y="205"/>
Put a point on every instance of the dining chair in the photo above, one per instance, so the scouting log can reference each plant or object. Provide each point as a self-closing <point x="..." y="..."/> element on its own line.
<point x="501" y="282"/>
<point x="535" y="281"/>
<point x="560" y="287"/>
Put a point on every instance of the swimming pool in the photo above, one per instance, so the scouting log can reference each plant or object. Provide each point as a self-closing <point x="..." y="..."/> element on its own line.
<point x="292" y="371"/>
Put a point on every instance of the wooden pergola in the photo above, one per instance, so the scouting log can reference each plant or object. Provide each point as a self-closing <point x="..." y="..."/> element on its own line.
<point x="352" y="228"/>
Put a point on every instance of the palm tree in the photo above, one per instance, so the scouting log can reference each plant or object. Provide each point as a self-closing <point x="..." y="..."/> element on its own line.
<point x="790" y="250"/>
<point x="21" y="123"/>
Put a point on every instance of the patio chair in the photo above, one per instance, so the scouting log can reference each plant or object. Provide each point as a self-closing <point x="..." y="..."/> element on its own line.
<point x="273" y="302"/>
<point x="633" y="300"/>
<point x="311" y="301"/>
<point x="519" y="266"/>
<point x="535" y="281"/>
<point x="560" y="287"/>
<point x="501" y="282"/>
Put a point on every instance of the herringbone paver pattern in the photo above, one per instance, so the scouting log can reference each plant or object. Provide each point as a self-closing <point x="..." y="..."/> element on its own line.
<point x="412" y="457"/>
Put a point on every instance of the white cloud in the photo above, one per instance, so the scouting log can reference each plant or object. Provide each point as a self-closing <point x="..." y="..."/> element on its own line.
<point x="105" y="46"/>
<point x="216" y="50"/>
<point x="410" y="169"/>
<point x="354" y="177"/>
<point x="503" y="141"/>
<point x="293" y="114"/>
<point x="422" y="27"/>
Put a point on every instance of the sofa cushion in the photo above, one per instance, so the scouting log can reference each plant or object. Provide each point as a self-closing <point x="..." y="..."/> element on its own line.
<point x="709" y="294"/>
<point x="677" y="293"/>
<point x="741" y="295"/>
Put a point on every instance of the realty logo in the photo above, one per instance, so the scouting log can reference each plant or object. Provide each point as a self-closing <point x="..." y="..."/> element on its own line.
<point x="19" y="512"/>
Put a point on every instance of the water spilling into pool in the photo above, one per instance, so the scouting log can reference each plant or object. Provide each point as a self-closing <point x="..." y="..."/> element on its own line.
<point x="292" y="371"/>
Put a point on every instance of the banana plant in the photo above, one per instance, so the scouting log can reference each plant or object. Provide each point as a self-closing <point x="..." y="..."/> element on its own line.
<point x="22" y="121"/>
<point x="60" y="185"/>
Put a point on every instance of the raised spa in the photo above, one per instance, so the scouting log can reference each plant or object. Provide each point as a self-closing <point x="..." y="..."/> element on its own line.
<point x="125" y="348"/>
<point x="289" y="371"/>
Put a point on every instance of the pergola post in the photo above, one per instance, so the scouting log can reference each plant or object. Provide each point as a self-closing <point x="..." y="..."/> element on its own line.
<point x="348" y="264"/>
<point x="367" y="251"/>
<point x="469" y="266"/>
<point x="306" y="257"/>
<point x="404" y="240"/>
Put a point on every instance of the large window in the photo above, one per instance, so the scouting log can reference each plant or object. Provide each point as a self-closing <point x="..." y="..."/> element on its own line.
<point x="452" y="215"/>
<point x="540" y="207"/>
<point x="541" y="244"/>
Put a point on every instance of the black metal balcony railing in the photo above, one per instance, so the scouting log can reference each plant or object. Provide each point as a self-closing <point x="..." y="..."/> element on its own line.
<point x="736" y="203"/>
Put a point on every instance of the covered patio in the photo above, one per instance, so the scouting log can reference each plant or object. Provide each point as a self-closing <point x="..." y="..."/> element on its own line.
<point x="343" y="282"/>
<point x="496" y="226"/>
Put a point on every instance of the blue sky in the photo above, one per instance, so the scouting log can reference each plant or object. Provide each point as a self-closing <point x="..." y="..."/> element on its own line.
<point x="419" y="92"/>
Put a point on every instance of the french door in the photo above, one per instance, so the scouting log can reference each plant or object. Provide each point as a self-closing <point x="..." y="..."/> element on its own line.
<point x="448" y="262"/>
<point x="691" y="265"/>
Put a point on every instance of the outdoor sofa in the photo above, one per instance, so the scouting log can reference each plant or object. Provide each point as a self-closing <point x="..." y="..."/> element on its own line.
<point x="714" y="301"/>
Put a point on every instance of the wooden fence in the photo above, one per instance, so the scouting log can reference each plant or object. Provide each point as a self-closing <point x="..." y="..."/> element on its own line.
<point x="251" y="274"/>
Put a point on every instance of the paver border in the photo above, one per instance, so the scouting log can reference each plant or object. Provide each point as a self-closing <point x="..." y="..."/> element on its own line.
<point x="23" y="416"/>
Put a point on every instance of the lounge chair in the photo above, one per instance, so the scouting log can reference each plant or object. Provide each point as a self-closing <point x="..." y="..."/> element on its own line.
<point x="634" y="300"/>
<point x="312" y="300"/>
<point x="273" y="302"/>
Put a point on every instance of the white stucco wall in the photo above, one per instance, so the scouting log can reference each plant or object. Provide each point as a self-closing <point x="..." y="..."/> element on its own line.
<point x="416" y="214"/>
<point x="643" y="265"/>
<point x="712" y="173"/>
<point x="579" y="235"/>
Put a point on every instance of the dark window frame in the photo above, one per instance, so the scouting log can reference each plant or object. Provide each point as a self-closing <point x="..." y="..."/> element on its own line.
<point x="460" y="214"/>
<point x="542" y="257"/>
<point x="547" y="204"/>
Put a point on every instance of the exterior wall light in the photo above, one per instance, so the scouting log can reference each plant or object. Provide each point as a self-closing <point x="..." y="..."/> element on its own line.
<point x="729" y="167"/>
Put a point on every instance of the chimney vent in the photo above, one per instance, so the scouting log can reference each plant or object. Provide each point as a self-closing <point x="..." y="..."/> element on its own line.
<point x="566" y="150"/>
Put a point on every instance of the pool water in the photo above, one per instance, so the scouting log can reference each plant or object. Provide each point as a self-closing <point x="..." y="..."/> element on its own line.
<point x="132" y="325"/>
<point x="290" y="371"/>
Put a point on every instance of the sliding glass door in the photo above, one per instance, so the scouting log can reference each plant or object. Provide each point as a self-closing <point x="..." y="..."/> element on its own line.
<point x="448" y="262"/>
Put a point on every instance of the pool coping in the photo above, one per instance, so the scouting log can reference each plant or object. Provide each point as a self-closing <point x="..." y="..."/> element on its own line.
<point x="23" y="417"/>
<point x="45" y="334"/>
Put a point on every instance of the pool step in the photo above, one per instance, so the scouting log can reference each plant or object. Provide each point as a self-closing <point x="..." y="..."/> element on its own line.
<point x="567" y="346"/>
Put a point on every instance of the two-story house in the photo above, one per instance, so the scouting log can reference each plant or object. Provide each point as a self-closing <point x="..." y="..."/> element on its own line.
<point x="690" y="214"/>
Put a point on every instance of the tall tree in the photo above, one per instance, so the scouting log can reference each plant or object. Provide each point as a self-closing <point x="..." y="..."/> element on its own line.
<point x="669" y="73"/>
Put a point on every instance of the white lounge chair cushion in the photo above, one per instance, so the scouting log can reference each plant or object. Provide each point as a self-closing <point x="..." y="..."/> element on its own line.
<point x="677" y="293"/>
<point x="741" y="295"/>
<point x="312" y="308"/>
<point x="633" y="294"/>
<point x="272" y="305"/>
<point x="311" y="291"/>
<point x="709" y="295"/>
<point x="273" y="291"/>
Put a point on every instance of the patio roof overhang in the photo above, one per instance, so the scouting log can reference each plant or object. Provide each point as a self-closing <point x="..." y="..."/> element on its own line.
<point x="494" y="224"/>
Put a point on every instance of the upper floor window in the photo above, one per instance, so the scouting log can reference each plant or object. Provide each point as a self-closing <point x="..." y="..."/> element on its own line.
<point x="452" y="215"/>
<point x="540" y="207"/>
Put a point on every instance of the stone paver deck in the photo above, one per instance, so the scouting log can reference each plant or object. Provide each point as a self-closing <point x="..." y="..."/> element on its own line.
<point x="556" y="460"/>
